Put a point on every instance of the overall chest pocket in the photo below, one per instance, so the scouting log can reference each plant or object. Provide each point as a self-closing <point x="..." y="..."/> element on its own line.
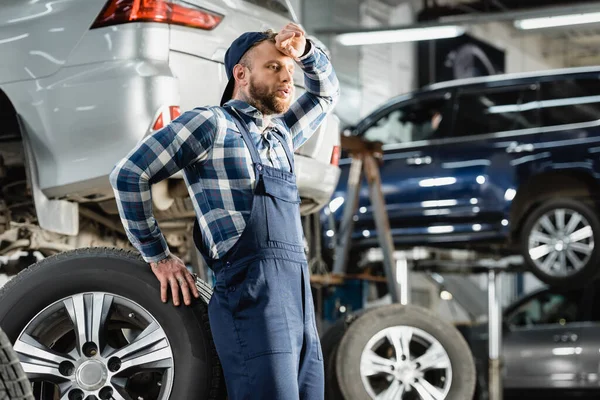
<point x="282" y="210"/>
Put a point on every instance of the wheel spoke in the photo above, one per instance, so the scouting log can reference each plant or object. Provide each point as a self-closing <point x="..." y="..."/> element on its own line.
<point x="400" y="338"/>
<point x="88" y="313"/>
<point x="427" y="391"/>
<point x="576" y="262"/>
<point x="540" y="251"/>
<point x="406" y="334"/>
<point x="547" y="224"/>
<point x="394" y="392"/>
<point x="38" y="361"/>
<point x="581" y="248"/>
<point x="549" y="262"/>
<point x="64" y="390"/>
<point x="434" y="358"/>
<point x="562" y="260"/>
<point x="582" y="234"/>
<point x="119" y="392"/>
<point x="559" y="216"/>
<point x="149" y="350"/>
<point x="539" y="237"/>
<point x="573" y="222"/>
<point x="372" y="364"/>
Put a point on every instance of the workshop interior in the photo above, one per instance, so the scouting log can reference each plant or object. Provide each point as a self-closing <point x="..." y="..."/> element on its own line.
<point x="449" y="203"/>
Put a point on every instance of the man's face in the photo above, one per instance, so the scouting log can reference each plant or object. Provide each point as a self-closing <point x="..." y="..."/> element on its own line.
<point x="271" y="82"/>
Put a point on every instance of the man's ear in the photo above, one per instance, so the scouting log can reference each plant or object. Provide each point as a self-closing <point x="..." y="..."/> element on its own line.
<point x="240" y="74"/>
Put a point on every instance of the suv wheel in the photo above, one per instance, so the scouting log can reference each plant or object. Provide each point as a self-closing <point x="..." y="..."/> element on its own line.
<point x="90" y="324"/>
<point x="404" y="352"/>
<point x="558" y="242"/>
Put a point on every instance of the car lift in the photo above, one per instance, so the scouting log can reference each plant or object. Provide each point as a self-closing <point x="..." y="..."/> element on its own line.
<point x="366" y="157"/>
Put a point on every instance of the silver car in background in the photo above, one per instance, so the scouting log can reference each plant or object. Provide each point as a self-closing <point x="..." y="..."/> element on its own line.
<point x="81" y="82"/>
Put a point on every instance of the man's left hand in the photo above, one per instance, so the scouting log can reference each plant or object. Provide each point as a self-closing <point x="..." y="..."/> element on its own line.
<point x="291" y="41"/>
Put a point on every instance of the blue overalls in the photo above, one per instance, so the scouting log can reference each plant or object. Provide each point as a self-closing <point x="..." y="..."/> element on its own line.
<point x="261" y="311"/>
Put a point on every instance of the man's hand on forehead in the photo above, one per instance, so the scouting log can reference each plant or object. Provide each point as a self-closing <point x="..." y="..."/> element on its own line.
<point x="291" y="41"/>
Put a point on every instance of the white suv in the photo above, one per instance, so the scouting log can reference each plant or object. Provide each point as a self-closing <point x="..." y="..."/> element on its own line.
<point x="81" y="82"/>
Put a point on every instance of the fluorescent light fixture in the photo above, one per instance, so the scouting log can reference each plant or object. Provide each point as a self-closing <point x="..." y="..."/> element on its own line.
<point x="400" y="35"/>
<point x="559" y="20"/>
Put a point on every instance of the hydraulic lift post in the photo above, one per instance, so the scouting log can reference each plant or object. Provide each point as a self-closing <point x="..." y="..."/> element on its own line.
<point x="365" y="157"/>
<point x="494" y="335"/>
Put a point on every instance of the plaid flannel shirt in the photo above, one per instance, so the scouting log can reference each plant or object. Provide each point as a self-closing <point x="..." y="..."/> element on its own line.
<point x="206" y="144"/>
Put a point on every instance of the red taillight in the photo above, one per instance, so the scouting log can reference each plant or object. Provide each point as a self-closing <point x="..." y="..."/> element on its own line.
<point x="122" y="11"/>
<point x="165" y="118"/>
<point x="159" y="123"/>
<point x="175" y="112"/>
<point x="335" y="156"/>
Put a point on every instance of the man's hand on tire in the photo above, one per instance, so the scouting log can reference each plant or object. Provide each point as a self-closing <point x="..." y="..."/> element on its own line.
<point x="172" y="272"/>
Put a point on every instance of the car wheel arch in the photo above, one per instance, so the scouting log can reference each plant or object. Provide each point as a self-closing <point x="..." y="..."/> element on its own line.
<point x="541" y="187"/>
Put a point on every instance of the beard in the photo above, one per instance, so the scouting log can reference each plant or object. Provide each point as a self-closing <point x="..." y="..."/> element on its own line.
<point x="265" y="100"/>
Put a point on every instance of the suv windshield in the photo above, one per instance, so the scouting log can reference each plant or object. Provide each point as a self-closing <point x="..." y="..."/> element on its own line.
<point x="275" y="6"/>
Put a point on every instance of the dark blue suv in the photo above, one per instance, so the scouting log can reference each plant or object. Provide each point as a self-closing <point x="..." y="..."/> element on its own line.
<point x="508" y="164"/>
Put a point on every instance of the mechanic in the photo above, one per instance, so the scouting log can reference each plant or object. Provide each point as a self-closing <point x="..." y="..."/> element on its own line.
<point x="239" y="166"/>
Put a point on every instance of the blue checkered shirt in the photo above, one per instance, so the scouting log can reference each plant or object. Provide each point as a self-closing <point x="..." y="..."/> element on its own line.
<point x="206" y="144"/>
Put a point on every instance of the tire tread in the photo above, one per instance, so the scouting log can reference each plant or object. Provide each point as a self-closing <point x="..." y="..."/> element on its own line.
<point x="14" y="384"/>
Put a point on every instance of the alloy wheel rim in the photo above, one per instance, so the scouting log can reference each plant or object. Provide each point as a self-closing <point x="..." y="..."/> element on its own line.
<point x="561" y="242"/>
<point x="97" y="345"/>
<point x="404" y="362"/>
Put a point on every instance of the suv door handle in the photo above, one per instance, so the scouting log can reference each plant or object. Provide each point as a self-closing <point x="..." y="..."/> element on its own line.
<point x="419" y="160"/>
<point x="566" y="337"/>
<point x="515" y="147"/>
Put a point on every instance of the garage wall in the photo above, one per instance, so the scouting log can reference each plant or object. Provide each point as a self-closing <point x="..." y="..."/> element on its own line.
<point x="369" y="74"/>
<point x="372" y="74"/>
<point x="524" y="53"/>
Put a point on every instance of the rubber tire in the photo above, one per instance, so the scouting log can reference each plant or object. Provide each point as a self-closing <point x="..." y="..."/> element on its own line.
<point x="589" y="271"/>
<point x="330" y="342"/>
<point x="14" y="384"/>
<point x="374" y="320"/>
<point x="198" y="371"/>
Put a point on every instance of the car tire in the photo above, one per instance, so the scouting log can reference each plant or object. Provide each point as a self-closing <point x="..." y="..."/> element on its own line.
<point x="536" y="225"/>
<point x="14" y="384"/>
<point x="330" y="342"/>
<point x="68" y="286"/>
<point x="371" y="328"/>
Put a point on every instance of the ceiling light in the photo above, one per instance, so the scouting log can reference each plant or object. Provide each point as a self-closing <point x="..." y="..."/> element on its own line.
<point x="559" y="20"/>
<point x="400" y="35"/>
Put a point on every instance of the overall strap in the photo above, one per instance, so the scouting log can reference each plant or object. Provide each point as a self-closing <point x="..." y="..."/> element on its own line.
<point x="245" y="131"/>
<point x="286" y="148"/>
